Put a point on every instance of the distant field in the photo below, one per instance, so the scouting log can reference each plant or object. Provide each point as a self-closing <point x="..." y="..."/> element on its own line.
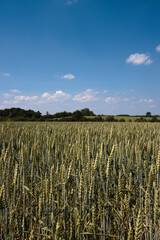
<point x="133" y="118"/>
<point x="79" y="180"/>
<point x="127" y="118"/>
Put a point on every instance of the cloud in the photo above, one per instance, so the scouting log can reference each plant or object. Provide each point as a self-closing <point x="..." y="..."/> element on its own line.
<point x="116" y="99"/>
<point x="7" y="95"/>
<point x="152" y="106"/>
<point x="158" y="48"/>
<point x="25" y="98"/>
<point x="6" y="74"/>
<point x="68" y="76"/>
<point x="89" y="95"/>
<point x="57" y="96"/>
<point x="138" y="59"/>
<point x="146" y="101"/>
<point x="14" y="90"/>
<point x="149" y="61"/>
<point x="125" y="99"/>
<point x="71" y="2"/>
<point x="7" y="102"/>
<point x="46" y="95"/>
<point x="105" y="91"/>
<point x="128" y="91"/>
<point x="112" y="100"/>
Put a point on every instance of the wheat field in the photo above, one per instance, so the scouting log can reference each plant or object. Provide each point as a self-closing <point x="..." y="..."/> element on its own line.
<point x="79" y="181"/>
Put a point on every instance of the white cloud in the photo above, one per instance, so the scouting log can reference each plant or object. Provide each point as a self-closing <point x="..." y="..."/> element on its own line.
<point x="116" y="100"/>
<point x="57" y="96"/>
<point x="46" y="95"/>
<point x="146" y="101"/>
<point x="112" y="100"/>
<point x="6" y="74"/>
<point x="149" y="61"/>
<point x="25" y="98"/>
<point x="1" y="106"/>
<point x="7" y="95"/>
<point x="138" y="59"/>
<point x="125" y="99"/>
<point x="158" y="48"/>
<point x="152" y="106"/>
<point x="70" y="2"/>
<point x="14" y="90"/>
<point x="89" y="95"/>
<point x="68" y="76"/>
<point x="7" y="102"/>
<point x="128" y="91"/>
<point x="105" y="91"/>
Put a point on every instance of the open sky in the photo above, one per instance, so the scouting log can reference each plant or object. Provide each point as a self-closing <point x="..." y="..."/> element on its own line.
<point x="58" y="55"/>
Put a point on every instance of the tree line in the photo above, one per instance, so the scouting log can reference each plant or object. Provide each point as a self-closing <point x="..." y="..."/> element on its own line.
<point x="18" y="114"/>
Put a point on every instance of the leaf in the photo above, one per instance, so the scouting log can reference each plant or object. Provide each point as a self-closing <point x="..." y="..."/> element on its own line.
<point x="28" y="190"/>
<point x="46" y="229"/>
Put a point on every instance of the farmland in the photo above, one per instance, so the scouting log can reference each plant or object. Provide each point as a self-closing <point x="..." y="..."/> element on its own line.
<point x="79" y="181"/>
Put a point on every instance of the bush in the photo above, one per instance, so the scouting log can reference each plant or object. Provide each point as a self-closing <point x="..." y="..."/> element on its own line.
<point x="154" y="119"/>
<point x="141" y="119"/>
<point x="111" y="119"/>
<point x="122" y="120"/>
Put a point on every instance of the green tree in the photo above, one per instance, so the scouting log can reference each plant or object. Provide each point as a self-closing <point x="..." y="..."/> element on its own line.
<point x="87" y="112"/>
<point x="77" y="116"/>
<point x="148" y="114"/>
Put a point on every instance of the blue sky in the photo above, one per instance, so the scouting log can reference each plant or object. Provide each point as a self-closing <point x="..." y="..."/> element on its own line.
<point x="58" y="55"/>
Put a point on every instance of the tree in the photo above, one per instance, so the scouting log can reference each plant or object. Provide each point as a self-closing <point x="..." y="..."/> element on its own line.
<point x="148" y="114"/>
<point x="87" y="112"/>
<point x="77" y="116"/>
